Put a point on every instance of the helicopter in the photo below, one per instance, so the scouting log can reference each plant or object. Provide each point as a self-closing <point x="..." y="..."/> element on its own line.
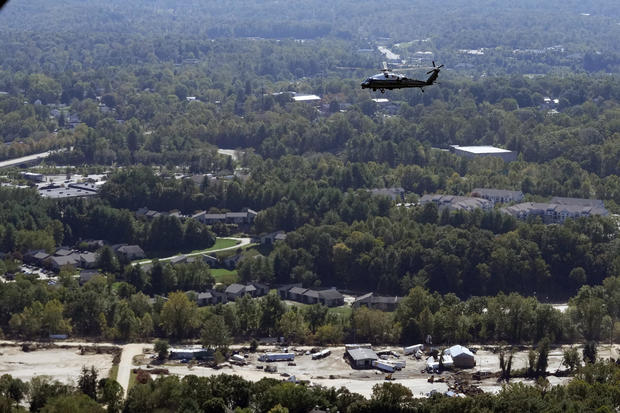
<point x="390" y="80"/>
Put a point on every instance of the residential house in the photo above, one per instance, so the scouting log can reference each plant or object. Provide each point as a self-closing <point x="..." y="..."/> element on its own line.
<point x="455" y="203"/>
<point x="272" y="237"/>
<point x="284" y="289"/>
<point x="557" y="212"/>
<point x="130" y="252"/>
<point x="331" y="298"/>
<point x="498" y="196"/>
<point x="57" y="262"/>
<point x="88" y="259"/>
<point x="371" y="300"/>
<point x="395" y="194"/>
<point x="234" y="291"/>
<point x="310" y="297"/>
<point x="87" y="275"/>
<point x="245" y="217"/>
<point x="296" y="294"/>
<point x="37" y="257"/>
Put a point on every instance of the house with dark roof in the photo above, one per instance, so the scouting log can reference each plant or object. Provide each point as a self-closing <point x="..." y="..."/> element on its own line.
<point x="36" y="257"/>
<point x="272" y="237"/>
<point x="284" y="289"/>
<point x="63" y="251"/>
<point x="395" y="194"/>
<point x="87" y="275"/>
<point x="310" y="297"/>
<point x="331" y="297"/>
<point x="456" y="203"/>
<point x="371" y="300"/>
<point x="88" y="259"/>
<point x="130" y="252"/>
<point x="296" y="294"/>
<point x="234" y="291"/>
<point x="57" y="262"/>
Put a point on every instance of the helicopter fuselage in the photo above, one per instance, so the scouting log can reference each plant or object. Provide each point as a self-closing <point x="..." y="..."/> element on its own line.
<point x="391" y="81"/>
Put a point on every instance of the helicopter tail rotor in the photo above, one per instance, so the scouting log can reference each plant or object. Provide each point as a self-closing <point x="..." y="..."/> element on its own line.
<point x="434" y="69"/>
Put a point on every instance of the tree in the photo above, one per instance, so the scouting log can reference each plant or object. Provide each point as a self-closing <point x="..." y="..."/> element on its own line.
<point x="42" y="389"/>
<point x="87" y="382"/>
<point x="272" y="309"/>
<point x="571" y="358"/>
<point x="315" y="315"/>
<point x="215" y="334"/>
<point x="107" y="260"/>
<point x="589" y="352"/>
<point x="79" y="403"/>
<point x="111" y="394"/>
<point x="293" y="326"/>
<point x="161" y="348"/>
<point x="179" y="316"/>
<point x="543" y="357"/>
<point x="12" y="388"/>
<point x="248" y="313"/>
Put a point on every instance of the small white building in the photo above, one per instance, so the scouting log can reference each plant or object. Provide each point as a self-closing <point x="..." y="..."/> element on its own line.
<point x="461" y="356"/>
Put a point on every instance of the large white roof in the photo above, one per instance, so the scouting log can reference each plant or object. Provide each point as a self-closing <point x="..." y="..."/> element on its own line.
<point x="305" y="98"/>
<point x="481" y="149"/>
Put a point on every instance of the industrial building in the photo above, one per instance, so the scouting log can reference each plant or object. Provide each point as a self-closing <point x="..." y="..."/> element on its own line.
<point x="478" y="151"/>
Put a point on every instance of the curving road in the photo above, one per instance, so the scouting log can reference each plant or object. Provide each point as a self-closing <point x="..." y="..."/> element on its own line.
<point x="242" y="242"/>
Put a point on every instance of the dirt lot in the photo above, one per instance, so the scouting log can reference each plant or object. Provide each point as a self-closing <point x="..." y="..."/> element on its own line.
<point x="64" y="365"/>
<point x="334" y="371"/>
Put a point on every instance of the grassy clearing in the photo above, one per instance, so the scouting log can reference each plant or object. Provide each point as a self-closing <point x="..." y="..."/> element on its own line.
<point x="132" y="380"/>
<point x="220" y="243"/>
<point x="343" y="311"/>
<point x="113" y="372"/>
<point x="224" y="276"/>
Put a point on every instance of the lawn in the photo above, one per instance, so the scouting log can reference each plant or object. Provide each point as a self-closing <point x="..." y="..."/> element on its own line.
<point x="224" y="276"/>
<point x="113" y="372"/>
<point x="219" y="244"/>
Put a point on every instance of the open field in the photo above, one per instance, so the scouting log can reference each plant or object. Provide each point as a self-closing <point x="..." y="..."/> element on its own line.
<point x="61" y="364"/>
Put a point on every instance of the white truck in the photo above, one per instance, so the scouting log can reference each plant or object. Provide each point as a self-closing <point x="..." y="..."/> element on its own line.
<point x="277" y="357"/>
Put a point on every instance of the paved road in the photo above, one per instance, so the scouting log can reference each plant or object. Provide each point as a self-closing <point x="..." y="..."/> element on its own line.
<point x="242" y="242"/>
<point x="126" y="363"/>
<point x="25" y="159"/>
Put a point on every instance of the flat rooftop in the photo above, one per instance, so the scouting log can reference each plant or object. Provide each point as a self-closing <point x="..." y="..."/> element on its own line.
<point x="305" y="98"/>
<point x="481" y="149"/>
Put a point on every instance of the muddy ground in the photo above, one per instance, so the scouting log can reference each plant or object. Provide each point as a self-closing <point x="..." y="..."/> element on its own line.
<point x="334" y="371"/>
<point x="62" y="364"/>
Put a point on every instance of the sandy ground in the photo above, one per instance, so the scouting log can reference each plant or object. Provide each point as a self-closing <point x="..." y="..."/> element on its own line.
<point x="64" y="365"/>
<point x="334" y="371"/>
